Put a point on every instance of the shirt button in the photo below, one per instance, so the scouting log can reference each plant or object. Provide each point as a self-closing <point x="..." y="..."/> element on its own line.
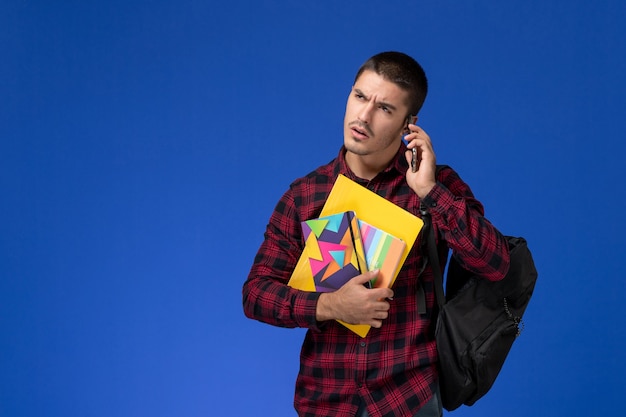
<point x="362" y="344"/>
<point x="433" y="204"/>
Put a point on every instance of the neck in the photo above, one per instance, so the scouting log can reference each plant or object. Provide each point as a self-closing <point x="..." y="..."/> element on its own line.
<point x="368" y="166"/>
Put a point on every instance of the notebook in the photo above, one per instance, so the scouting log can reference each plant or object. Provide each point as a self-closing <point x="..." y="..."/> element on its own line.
<point x="334" y="250"/>
<point x="383" y="251"/>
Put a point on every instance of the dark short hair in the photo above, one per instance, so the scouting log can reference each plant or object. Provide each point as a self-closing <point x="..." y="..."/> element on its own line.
<point x="402" y="70"/>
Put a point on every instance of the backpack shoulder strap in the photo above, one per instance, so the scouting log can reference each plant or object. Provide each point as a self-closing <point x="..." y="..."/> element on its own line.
<point x="431" y="256"/>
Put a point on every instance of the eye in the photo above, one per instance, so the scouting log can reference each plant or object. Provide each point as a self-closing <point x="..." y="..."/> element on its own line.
<point x="385" y="109"/>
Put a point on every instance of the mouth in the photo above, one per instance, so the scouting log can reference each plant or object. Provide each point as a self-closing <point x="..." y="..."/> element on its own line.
<point x="359" y="131"/>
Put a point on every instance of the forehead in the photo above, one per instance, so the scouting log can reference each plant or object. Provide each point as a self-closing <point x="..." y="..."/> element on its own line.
<point x="378" y="87"/>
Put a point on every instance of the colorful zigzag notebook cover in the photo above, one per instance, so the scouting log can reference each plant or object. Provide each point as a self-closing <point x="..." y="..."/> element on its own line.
<point x="334" y="250"/>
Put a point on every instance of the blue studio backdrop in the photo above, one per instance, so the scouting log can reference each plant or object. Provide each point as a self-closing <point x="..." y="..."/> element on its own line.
<point x="144" y="144"/>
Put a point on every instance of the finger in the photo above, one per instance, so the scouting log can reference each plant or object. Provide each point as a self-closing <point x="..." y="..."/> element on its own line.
<point x="381" y="314"/>
<point x="409" y="156"/>
<point x="377" y="324"/>
<point x="376" y="321"/>
<point x="415" y="129"/>
<point x="417" y="141"/>
<point x="382" y="293"/>
<point x="424" y="147"/>
<point x="417" y="133"/>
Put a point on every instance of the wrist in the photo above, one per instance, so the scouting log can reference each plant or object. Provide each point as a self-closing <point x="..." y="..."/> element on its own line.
<point x="324" y="311"/>
<point x="423" y="191"/>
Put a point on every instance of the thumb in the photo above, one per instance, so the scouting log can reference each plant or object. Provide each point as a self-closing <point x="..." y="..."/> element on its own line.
<point x="366" y="277"/>
<point x="408" y="155"/>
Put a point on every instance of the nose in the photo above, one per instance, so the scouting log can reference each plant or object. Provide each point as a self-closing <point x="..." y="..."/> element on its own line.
<point x="366" y="112"/>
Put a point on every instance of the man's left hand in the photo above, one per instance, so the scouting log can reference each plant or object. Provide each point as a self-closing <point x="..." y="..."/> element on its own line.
<point x="423" y="180"/>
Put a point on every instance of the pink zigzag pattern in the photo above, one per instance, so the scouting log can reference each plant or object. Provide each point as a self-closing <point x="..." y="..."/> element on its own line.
<point x="327" y="258"/>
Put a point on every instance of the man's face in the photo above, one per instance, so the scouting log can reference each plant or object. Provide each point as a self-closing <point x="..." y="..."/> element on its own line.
<point x="376" y="116"/>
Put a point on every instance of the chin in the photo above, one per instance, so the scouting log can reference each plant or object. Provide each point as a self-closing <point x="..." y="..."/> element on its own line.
<point x="355" y="147"/>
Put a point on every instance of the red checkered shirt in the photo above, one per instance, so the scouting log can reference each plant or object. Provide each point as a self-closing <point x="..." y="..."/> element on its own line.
<point x="394" y="368"/>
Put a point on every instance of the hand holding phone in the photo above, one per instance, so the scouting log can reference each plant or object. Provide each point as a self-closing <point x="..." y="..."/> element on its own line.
<point x="422" y="159"/>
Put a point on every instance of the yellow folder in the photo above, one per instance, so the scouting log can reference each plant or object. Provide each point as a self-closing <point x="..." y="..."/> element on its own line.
<point x="347" y="195"/>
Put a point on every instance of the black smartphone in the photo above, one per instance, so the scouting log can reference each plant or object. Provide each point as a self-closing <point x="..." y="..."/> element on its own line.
<point x="414" y="158"/>
<point x="414" y="161"/>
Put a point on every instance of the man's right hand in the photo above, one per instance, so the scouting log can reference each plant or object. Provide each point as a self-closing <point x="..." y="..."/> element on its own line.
<point x="353" y="303"/>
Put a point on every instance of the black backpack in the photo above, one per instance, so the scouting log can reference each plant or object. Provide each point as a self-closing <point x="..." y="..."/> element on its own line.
<point x="478" y="320"/>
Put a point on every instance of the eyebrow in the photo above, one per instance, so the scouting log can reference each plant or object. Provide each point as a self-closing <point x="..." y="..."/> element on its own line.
<point x="383" y="103"/>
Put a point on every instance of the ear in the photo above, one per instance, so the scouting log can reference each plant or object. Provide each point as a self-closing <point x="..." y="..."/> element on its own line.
<point x="409" y="120"/>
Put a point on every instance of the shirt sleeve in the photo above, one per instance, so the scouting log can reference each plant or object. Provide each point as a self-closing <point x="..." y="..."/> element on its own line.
<point x="458" y="218"/>
<point x="266" y="295"/>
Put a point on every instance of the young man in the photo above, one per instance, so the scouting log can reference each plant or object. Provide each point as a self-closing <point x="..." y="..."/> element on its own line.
<point x="392" y="371"/>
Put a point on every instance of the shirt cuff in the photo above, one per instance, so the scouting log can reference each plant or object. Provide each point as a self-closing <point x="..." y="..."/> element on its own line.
<point x="438" y="200"/>
<point x="305" y="306"/>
